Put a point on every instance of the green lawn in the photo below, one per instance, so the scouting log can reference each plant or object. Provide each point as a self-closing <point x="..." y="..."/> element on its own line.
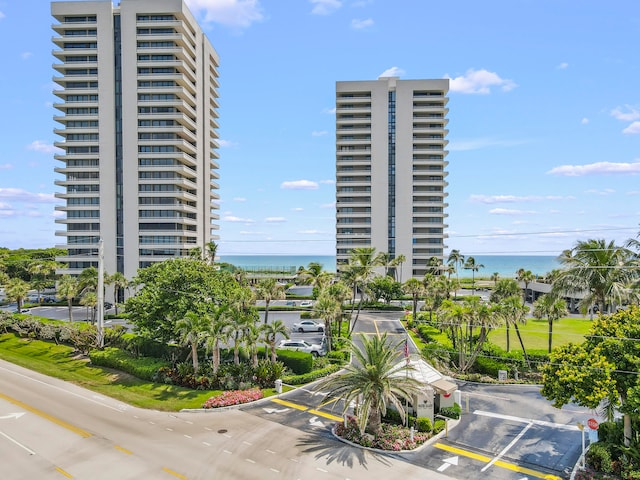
<point x="57" y="361"/>
<point x="535" y="333"/>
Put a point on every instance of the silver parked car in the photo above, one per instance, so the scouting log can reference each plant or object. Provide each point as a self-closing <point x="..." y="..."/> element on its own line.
<point x="308" y="326"/>
<point x="302" y="346"/>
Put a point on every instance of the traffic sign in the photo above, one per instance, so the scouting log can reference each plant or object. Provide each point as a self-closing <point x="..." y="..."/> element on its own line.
<point x="592" y="423"/>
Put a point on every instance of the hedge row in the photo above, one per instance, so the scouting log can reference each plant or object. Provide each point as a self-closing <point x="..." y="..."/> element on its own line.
<point x="144" y="368"/>
<point x="311" y="376"/>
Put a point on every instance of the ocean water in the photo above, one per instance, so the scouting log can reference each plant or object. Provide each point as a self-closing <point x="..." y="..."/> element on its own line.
<point x="505" y="266"/>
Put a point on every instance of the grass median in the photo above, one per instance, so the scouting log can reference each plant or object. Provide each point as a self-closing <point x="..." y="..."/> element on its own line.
<point x="59" y="361"/>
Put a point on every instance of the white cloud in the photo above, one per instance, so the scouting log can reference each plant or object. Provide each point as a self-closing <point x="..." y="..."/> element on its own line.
<point x="479" y="143"/>
<point x="310" y="232"/>
<point x="275" y="220"/>
<point x="297" y="209"/>
<point x="330" y="110"/>
<point x="234" y="13"/>
<point x="479" y="81"/>
<point x="226" y="143"/>
<point x="598" y="168"/>
<point x="6" y="166"/>
<point x="605" y="192"/>
<point x="299" y="185"/>
<point x="490" y="199"/>
<point x="633" y="129"/>
<point x="392" y="72"/>
<point x="328" y="205"/>
<point x="584" y="121"/>
<point x="19" y="195"/>
<point x="628" y="113"/>
<point x="239" y="199"/>
<point x="358" y="24"/>
<point x="328" y="182"/>
<point x="234" y="219"/>
<point x="42" y="147"/>
<point x="325" y="7"/>
<point x="507" y="211"/>
<point x="2" y="15"/>
<point x="26" y="55"/>
<point x="319" y="133"/>
<point x="563" y="66"/>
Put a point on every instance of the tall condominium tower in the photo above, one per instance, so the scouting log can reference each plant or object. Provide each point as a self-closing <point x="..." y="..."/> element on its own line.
<point x="391" y="170"/>
<point x="138" y="117"/>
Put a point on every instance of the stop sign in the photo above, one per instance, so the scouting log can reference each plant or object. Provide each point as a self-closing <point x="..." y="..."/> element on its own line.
<point x="592" y="423"/>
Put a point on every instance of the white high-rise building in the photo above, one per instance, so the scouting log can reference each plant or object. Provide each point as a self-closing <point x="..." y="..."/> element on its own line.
<point x="391" y="169"/>
<point x="138" y="116"/>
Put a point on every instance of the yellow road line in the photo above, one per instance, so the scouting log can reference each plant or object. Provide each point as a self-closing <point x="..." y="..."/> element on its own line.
<point x="325" y="415"/>
<point x="123" y="450"/>
<point x="375" y="324"/>
<point x="62" y="472"/>
<point x="175" y="474"/>
<point x="498" y="463"/>
<point x="289" y="404"/>
<point x="46" y="416"/>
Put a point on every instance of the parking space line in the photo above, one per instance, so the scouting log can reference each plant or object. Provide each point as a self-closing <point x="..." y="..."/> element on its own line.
<point x="541" y="423"/>
<point x="499" y="463"/>
<point x="508" y="447"/>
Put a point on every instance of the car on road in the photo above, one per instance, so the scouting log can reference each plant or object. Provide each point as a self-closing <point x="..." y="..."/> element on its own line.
<point x="306" y="303"/>
<point x="308" y="326"/>
<point x="302" y="346"/>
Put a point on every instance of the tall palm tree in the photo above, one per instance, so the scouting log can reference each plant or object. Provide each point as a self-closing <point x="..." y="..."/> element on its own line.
<point x="526" y="277"/>
<point x="495" y="276"/>
<point x="210" y="252"/>
<point x="375" y="380"/>
<point x="362" y="264"/>
<point x="514" y="313"/>
<point x="240" y="322"/>
<point x="252" y="336"/>
<point x="416" y="289"/>
<point x="42" y="271"/>
<point x="17" y="290"/>
<point x="329" y="309"/>
<point x="189" y="329"/>
<point x="397" y="262"/>
<point x="268" y="289"/>
<point x="602" y="270"/>
<point x="216" y="333"/>
<point x="551" y="307"/>
<point x="271" y="332"/>
<point x="470" y="264"/>
<point x="69" y="288"/>
<point x="119" y="281"/>
<point x="315" y="276"/>
<point x="90" y="300"/>
<point x="456" y="259"/>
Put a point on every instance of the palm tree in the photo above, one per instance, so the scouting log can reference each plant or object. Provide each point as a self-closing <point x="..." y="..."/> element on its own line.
<point x="268" y="289"/>
<point x="456" y="259"/>
<point x="88" y="279"/>
<point x="362" y="264"/>
<point x="328" y="309"/>
<point x="69" y="288"/>
<point x="526" y="277"/>
<point x="514" y="313"/>
<point x="415" y="288"/>
<point x="602" y="270"/>
<point x="397" y="262"/>
<point x="217" y="332"/>
<point x="17" y="290"/>
<point x="470" y="264"/>
<point x="553" y="308"/>
<point x="119" y="281"/>
<point x="374" y="380"/>
<point x="240" y="322"/>
<point x="41" y="270"/>
<point x="210" y="252"/>
<point x="90" y="300"/>
<point x="190" y="328"/>
<point x="315" y="276"/>
<point x="495" y="276"/>
<point x="252" y="335"/>
<point x="271" y="332"/>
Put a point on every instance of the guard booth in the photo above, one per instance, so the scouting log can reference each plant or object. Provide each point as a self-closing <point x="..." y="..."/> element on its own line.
<point x="437" y="391"/>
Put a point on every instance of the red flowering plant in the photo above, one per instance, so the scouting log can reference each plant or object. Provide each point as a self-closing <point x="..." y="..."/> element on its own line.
<point x="391" y="437"/>
<point x="233" y="397"/>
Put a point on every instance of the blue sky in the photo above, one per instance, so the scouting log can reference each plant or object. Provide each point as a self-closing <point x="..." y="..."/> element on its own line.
<point x="544" y="117"/>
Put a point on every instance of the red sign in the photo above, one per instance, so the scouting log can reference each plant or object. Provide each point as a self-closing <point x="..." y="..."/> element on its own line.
<point x="592" y="423"/>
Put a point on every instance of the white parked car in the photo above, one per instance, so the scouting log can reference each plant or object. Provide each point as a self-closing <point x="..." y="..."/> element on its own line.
<point x="306" y="303"/>
<point x="308" y="326"/>
<point x="302" y="346"/>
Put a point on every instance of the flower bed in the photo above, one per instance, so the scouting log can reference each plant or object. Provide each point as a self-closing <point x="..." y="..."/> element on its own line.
<point x="391" y="437"/>
<point x="233" y="397"/>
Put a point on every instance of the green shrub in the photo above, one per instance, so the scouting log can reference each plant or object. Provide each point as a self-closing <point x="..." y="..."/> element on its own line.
<point x="144" y="368"/>
<point x="310" y="377"/>
<point x="438" y="426"/>
<point x="423" y="424"/>
<point x="299" y="363"/>
<point x="338" y="356"/>
<point x="451" y="412"/>
<point x="611" y="433"/>
<point x="599" y="458"/>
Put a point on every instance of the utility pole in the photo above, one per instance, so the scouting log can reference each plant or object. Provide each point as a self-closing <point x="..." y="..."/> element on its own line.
<point x="100" y="312"/>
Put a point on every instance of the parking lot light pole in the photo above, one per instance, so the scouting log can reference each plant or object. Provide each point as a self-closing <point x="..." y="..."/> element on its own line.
<point x="100" y="312"/>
